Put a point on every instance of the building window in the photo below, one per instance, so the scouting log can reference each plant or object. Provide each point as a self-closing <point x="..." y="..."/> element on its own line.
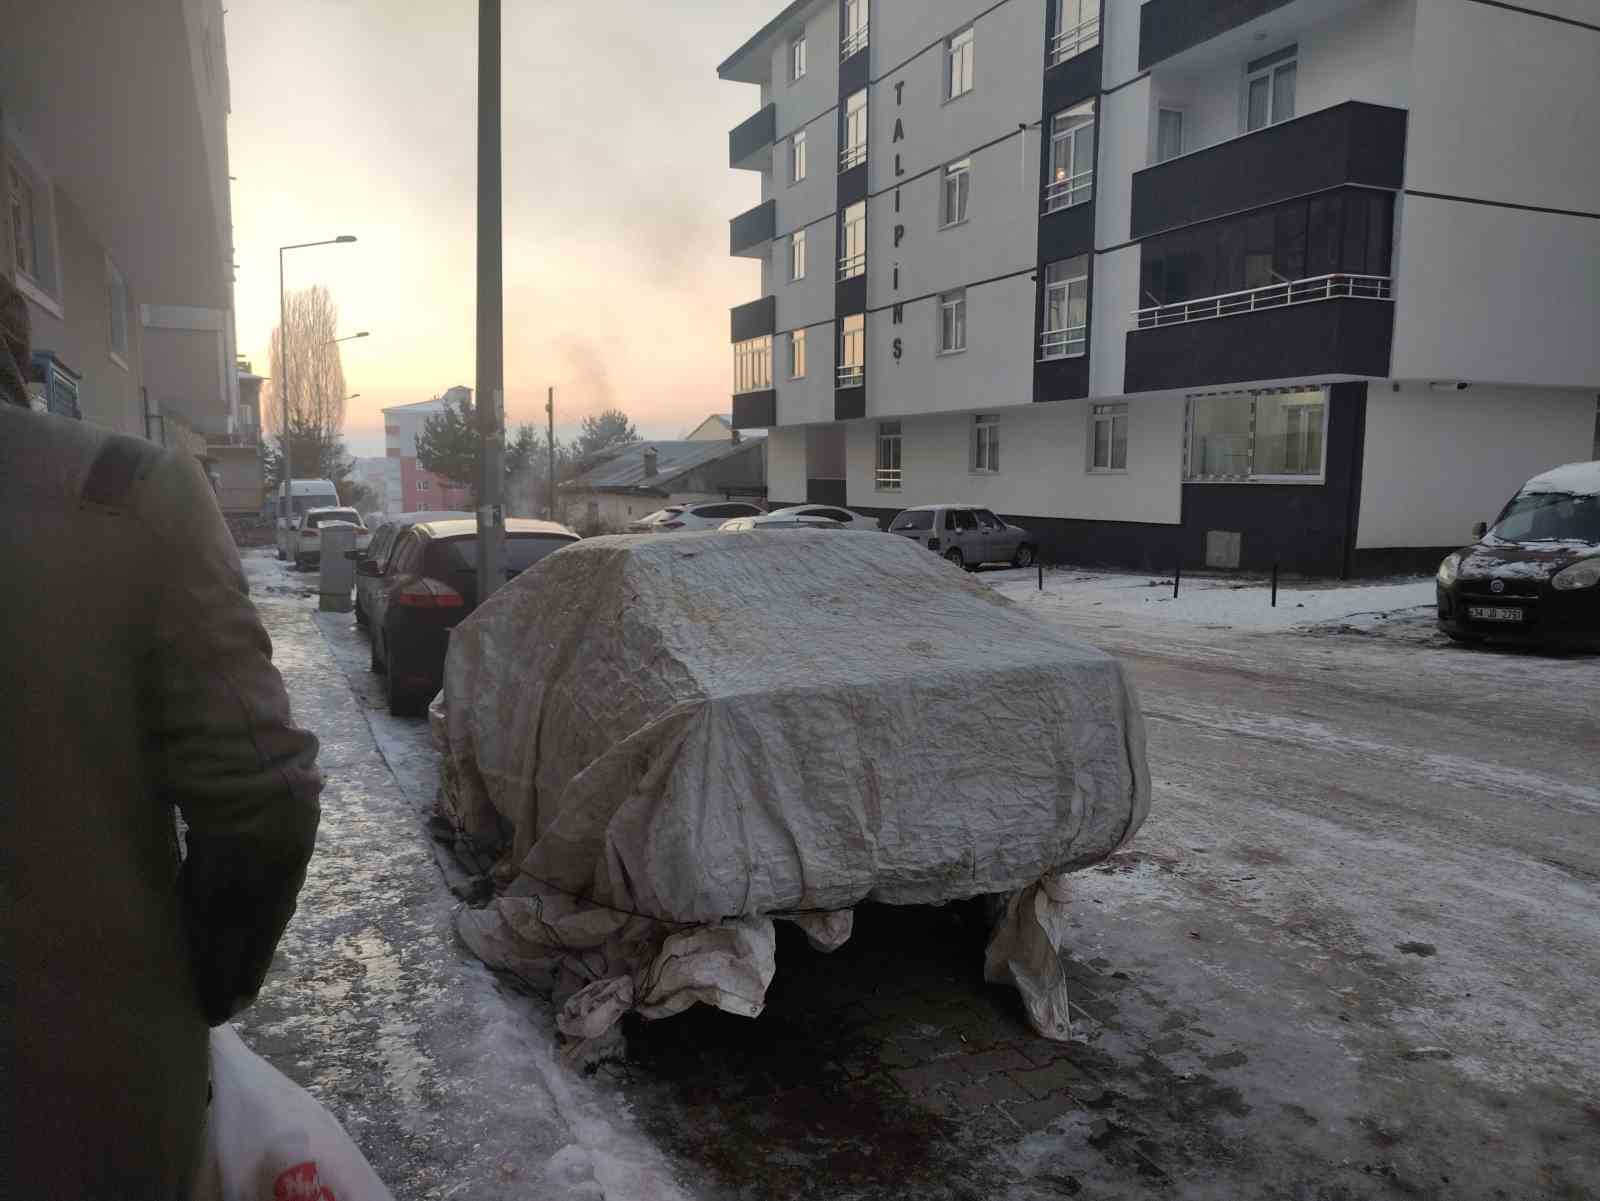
<point x="1071" y="158"/>
<point x="752" y="364"/>
<point x="423" y="485"/>
<point x="117" y="295"/>
<point x="853" y="36"/>
<point x="797" y="255"/>
<point x="957" y="190"/>
<point x="1108" y="441"/>
<point x="852" y="351"/>
<point x="855" y="131"/>
<point x="797" y="156"/>
<point x="1066" y="309"/>
<point x="28" y="202"/>
<point x="1169" y="134"/>
<point x="797" y="354"/>
<point x="1269" y="88"/>
<point x="853" y="237"/>
<point x="953" y="322"/>
<point x="1077" y="29"/>
<point x="1275" y="434"/>
<point x="986" y="442"/>
<point x="797" y="58"/>
<point x="888" y="475"/>
<point x="958" y="69"/>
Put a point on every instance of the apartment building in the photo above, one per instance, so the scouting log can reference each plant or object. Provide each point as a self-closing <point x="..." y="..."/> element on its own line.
<point x="410" y="488"/>
<point x="118" y="226"/>
<point x="1239" y="282"/>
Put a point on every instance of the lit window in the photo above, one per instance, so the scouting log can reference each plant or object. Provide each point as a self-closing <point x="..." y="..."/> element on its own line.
<point x="855" y="131"/>
<point x="1071" y="158"/>
<point x="1077" y="29"/>
<point x="117" y="294"/>
<point x="853" y="237"/>
<point x="986" y="442"/>
<point x="1269" y="88"/>
<point x="1066" y="309"/>
<point x="1108" y="438"/>
<point x="957" y="189"/>
<point x="1272" y="434"/>
<point x="958" y="72"/>
<point x="797" y="255"/>
<point x="888" y="475"/>
<point x="797" y="354"/>
<point x="1169" y="134"/>
<point x="852" y="351"/>
<point x="752" y="364"/>
<point x="952" y="322"/>
<point x="797" y="58"/>
<point x="797" y="157"/>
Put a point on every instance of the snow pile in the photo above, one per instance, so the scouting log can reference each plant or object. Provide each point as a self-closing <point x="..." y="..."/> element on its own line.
<point x="676" y="738"/>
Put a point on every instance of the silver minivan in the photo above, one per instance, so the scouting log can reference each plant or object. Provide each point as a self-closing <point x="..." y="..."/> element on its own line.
<point x="966" y="535"/>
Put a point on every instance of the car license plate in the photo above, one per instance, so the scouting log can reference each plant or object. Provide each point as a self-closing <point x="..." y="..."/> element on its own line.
<point x="1493" y="613"/>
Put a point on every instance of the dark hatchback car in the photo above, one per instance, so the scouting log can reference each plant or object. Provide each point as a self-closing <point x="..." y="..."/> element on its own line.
<point x="430" y="584"/>
<point x="1534" y="576"/>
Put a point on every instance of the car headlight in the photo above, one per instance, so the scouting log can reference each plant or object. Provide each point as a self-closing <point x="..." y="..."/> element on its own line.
<point x="1585" y="573"/>
<point x="1447" y="569"/>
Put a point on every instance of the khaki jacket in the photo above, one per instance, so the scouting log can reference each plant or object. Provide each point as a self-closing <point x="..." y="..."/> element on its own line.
<point x="135" y="676"/>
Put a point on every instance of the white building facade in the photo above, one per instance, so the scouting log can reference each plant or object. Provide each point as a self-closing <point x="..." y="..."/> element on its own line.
<point x="1246" y="282"/>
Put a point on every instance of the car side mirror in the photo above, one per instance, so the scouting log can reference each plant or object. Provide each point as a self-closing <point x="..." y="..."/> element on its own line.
<point x="1479" y="530"/>
<point x="353" y="555"/>
<point x="366" y="567"/>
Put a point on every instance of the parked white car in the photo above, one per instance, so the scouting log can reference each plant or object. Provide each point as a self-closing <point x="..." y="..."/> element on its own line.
<point x="966" y="535"/>
<point x="707" y="515"/>
<point x="854" y="521"/>
<point x="776" y="521"/>
<point x="308" y="536"/>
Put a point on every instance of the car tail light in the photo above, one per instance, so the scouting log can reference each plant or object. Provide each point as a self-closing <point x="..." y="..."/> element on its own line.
<point x="429" y="594"/>
<point x="672" y="525"/>
<point x="308" y="533"/>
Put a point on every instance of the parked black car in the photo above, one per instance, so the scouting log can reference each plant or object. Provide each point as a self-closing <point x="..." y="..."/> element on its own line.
<point x="385" y="538"/>
<point x="1534" y="576"/>
<point x="430" y="585"/>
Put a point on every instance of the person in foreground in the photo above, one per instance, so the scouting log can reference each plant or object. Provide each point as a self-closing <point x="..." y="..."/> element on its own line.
<point x="135" y="676"/>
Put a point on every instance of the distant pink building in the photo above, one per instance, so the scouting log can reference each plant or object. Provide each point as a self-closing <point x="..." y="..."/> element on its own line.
<point x="412" y="489"/>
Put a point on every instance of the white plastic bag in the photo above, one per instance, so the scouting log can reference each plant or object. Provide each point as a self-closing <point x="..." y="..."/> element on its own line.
<point x="270" y="1140"/>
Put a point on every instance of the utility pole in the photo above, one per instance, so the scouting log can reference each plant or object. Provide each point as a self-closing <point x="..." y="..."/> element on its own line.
<point x="550" y="438"/>
<point x="491" y="325"/>
<point x="287" y="491"/>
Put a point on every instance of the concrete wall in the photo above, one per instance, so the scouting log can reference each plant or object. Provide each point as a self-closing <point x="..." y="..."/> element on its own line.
<point x="1436" y="462"/>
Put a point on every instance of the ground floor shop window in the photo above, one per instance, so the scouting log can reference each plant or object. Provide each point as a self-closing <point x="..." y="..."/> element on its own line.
<point x="888" y="473"/>
<point x="1275" y="434"/>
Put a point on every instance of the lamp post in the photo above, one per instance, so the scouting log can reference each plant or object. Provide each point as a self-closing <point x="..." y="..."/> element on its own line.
<point x="283" y="352"/>
<point x="490" y="371"/>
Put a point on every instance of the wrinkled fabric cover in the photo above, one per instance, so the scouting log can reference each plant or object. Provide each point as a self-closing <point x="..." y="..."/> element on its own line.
<point x="690" y="731"/>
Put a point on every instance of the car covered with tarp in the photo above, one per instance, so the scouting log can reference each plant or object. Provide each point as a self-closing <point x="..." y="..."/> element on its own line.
<point x="671" y="741"/>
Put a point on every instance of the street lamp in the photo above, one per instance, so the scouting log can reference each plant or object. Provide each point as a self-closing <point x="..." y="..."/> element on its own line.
<point x="352" y="396"/>
<point x="283" y="351"/>
<point x="346" y="338"/>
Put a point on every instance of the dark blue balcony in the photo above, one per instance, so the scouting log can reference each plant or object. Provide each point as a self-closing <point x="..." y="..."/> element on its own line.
<point x="754" y="319"/>
<point x="750" y="232"/>
<point x="1167" y="27"/>
<point x="750" y="142"/>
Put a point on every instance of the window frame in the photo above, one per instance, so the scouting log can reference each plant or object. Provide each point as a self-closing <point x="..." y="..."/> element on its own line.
<point x="1082" y="117"/>
<point x="888" y="473"/>
<point x="1267" y="67"/>
<point x="853" y="241"/>
<point x="44" y="287"/>
<point x="853" y="31"/>
<point x="797" y="353"/>
<point x="752" y="364"/>
<point x="962" y="43"/>
<point x="424" y="484"/>
<point x="1252" y="476"/>
<point x="797" y="255"/>
<point x="985" y="445"/>
<point x="797" y="157"/>
<point x="1108" y="415"/>
<point x="797" y="57"/>
<point x="852" y="351"/>
<point x="1163" y="110"/>
<point x="959" y="173"/>
<point x="1065" y="284"/>
<point x="1067" y="43"/>
<point x="953" y="322"/>
<point x="853" y="146"/>
<point x="118" y="306"/>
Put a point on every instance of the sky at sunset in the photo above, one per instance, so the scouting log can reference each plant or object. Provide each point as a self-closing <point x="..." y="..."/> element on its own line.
<point x="359" y="117"/>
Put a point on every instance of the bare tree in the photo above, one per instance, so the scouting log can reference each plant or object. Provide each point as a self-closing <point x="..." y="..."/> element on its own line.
<point x="315" y="374"/>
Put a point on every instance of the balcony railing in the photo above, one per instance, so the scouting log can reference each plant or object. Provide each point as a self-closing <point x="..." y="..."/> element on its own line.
<point x="851" y="156"/>
<point x="1064" y="193"/>
<point x="850" y="376"/>
<point x="1063" y="343"/>
<point x="855" y="40"/>
<point x="851" y="265"/>
<point x="1070" y="42"/>
<point x="1268" y="296"/>
<point x="888" y="479"/>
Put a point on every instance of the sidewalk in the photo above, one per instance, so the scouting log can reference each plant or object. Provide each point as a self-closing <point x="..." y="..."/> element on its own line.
<point x="444" y="1078"/>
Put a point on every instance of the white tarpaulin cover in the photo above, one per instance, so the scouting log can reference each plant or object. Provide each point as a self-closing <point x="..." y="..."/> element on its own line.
<point x="675" y="738"/>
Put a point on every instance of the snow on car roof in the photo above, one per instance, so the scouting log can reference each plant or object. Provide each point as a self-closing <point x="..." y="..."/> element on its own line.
<point x="1580" y="479"/>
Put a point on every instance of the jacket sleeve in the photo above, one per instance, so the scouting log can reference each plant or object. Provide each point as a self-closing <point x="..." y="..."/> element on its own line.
<point x="225" y="752"/>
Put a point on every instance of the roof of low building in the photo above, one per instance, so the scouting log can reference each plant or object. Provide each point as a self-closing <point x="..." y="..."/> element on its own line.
<point x="673" y="459"/>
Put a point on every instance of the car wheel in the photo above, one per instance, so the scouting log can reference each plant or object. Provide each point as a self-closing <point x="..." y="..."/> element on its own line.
<point x="1023" y="557"/>
<point x="377" y="661"/>
<point x="953" y="555"/>
<point x="361" y="615"/>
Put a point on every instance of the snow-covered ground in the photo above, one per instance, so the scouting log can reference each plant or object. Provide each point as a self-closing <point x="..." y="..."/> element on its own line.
<point x="1216" y="601"/>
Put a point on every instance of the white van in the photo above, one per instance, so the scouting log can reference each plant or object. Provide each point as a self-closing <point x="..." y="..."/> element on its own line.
<point x="294" y="498"/>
